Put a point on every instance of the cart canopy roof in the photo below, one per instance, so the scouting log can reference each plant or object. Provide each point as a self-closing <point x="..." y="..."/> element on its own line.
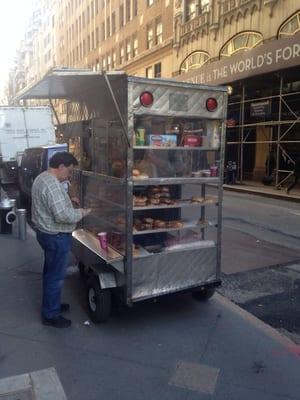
<point x="75" y="84"/>
<point x="67" y="83"/>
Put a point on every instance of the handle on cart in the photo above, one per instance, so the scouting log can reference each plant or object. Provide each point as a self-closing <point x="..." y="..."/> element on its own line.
<point x="117" y="107"/>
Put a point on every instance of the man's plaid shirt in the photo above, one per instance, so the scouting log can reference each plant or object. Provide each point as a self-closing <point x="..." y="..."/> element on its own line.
<point x="52" y="209"/>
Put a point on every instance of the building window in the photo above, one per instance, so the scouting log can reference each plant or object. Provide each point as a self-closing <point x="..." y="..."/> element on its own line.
<point x="93" y="40"/>
<point x="88" y="43"/>
<point x="83" y="48"/>
<point x="135" y="46"/>
<point x="158" y="32"/>
<point x="121" y="15"/>
<point x="150" y="2"/>
<point x="88" y="15"/>
<point x="291" y="26"/>
<point x="108" y="62"/>
<point x="135" y="8"/>
<point x="97" y="10"/>
<point x="108" y="27"/>
<point x="157" y="70"/>
<point x="104" y="64"/>
<point x="190" y="11"/>
<point x="114" y="60"/>
<point x="92" y="10"/>
<point x="97" y="37"/>
<point x="113" y="23"/>
<point x="122" y="55"/>
<point x="193" y="61"/>
<point x="83" y="20"/>
<point x="128" y="14"/>
<point x="128" y="50"/>
<point x="103" y="31"/>
<point x="242" y="41"/>
<point x="149" y="72"/>
<point x="149" y="37"/>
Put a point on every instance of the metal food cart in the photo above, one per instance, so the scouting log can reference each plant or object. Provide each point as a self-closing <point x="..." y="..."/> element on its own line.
<point x="150" y="157"/>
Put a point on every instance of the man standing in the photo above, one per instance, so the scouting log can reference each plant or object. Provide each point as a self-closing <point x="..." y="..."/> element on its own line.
<point x="55" y="218"/>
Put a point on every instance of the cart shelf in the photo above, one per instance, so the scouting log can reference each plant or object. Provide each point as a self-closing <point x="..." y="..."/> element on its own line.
<point x="176" y="205"/>
<point x="91" y="242"/>
<point x="199" y="245"/>
<point x="173" y="181"/>
<point x="186" y="225"/>
<point x="176" y="148"/>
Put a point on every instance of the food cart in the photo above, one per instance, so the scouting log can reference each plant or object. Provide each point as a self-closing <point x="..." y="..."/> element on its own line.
<point x="150" y="157"/>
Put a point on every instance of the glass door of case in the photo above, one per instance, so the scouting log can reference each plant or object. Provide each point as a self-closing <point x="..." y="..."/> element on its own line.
<point x="175" y="164"/>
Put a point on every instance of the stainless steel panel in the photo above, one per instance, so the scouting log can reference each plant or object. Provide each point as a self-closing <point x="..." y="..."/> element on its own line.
<point x="173" y="271"/>
<point x="191" y="101"/>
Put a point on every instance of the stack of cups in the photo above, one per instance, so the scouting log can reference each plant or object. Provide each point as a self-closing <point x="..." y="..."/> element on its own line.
<point x="102" y="236"/>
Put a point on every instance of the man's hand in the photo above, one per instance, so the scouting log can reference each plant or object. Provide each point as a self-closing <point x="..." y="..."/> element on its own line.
<point x="75" y="200"/>
<point x="86" y="211"/>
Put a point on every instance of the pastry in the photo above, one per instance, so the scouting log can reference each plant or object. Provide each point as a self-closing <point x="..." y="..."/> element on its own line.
<point x="135" y="172"/>
<point x="165" y="189"/>
<point x="198" y="199"/>
<point x="154" y="201"/>
<point x="140" y="201"/>
<point x="165" y="195"/>
<point x="142" y="176"/>
<point x="159" y="224"/>
<point x="148" y="220"/>
<point x="166" y="201"/>
<point x="154" y="189"/>
<point x="174" y="224"/>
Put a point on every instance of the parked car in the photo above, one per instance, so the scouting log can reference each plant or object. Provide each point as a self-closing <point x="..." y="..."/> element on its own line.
<point x="34" y="161"/>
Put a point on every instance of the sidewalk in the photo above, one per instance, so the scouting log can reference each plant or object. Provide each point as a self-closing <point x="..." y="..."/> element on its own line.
<point x="259" y="189"/>
<point x="174" y="349"/>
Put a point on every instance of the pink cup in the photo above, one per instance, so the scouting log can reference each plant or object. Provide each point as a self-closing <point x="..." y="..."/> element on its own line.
<point x="102" y="236"/>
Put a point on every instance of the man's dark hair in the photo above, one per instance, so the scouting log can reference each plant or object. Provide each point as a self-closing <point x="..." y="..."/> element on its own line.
<point x="64" y="158"/>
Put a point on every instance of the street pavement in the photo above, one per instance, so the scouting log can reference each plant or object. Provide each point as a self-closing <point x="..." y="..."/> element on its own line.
<point x="175" y="348"/>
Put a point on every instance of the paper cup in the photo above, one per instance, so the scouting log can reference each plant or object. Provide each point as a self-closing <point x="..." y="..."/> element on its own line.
<point x="102" y="236"/>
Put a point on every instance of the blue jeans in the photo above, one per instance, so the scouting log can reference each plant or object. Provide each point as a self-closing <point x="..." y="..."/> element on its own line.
<point x="56" y="252"/>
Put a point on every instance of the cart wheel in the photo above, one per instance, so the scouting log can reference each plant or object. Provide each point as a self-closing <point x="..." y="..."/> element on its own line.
<point x="204" y="294"/>
<point x="99" y="301"/>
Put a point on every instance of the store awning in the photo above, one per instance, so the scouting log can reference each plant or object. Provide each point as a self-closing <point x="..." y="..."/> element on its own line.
<point x="67" y="84"/>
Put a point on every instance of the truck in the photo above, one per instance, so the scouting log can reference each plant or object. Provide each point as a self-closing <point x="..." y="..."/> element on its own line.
<point x="21" y="128"/>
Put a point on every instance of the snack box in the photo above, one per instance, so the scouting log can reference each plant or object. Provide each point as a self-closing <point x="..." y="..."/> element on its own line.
<point x="163" y="140"/>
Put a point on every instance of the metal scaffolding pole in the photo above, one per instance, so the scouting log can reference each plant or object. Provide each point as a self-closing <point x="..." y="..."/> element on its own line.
<point x="242" y="135"/>
<point x="278" y="134"/>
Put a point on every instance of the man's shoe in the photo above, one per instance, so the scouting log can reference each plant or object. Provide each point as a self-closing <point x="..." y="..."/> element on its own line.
<point x="58" y="322"/>
<point x="64" y="307"/>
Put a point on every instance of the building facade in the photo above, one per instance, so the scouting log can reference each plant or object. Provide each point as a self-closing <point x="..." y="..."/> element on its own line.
<point x="251" y="45"/>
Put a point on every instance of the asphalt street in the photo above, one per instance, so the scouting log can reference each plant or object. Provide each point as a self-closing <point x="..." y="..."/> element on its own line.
<point x="261" y="259"/>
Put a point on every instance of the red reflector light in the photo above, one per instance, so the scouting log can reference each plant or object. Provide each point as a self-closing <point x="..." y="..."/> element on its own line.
<point x="211" y="104"/>
<point x="146" y="99"/>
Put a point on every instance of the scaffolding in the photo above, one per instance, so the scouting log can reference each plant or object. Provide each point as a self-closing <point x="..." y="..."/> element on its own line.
<point x="281" y="133"/>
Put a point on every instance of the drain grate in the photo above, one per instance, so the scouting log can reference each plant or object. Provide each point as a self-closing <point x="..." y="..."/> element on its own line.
<point x="25" y="394"/>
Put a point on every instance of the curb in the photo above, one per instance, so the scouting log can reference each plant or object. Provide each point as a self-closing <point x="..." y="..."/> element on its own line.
<point x="247" y="189"/>
<point x="262" y="326"/>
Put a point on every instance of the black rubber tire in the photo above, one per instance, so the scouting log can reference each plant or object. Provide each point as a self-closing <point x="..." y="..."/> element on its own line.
<point x="204" y="294"/>
<point x="98" y="301"/>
